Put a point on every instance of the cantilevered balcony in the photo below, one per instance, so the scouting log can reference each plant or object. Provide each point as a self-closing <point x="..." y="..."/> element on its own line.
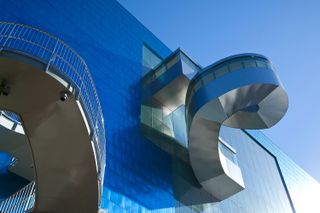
<point x="168" y="82"/>
<point x="163" y="95"/>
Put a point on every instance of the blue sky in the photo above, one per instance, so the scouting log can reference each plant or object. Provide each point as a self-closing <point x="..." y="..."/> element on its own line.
<point x="286" y="31"/>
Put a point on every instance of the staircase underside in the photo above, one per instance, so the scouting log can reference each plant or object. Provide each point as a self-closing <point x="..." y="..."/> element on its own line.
<point x="57" y="137"/>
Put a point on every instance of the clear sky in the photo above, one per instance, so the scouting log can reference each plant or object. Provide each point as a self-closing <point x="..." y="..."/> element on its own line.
<point x="287" y="31"/>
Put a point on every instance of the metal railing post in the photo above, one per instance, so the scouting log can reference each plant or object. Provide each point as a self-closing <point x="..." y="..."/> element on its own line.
<point x="52" y="57"/>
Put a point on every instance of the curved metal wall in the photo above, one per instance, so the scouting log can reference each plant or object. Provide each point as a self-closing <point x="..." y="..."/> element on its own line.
<point x="58" y="57"/>
<point x="242" y="92"/>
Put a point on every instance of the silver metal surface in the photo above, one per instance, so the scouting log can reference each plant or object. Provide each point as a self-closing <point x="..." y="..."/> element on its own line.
<point x="66" y="137"/>
<point x="64" y="62"/>
<point x="249" y="97"/>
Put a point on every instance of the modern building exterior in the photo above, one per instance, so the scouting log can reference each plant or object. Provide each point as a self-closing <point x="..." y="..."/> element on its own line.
<point x="97" y="114"/>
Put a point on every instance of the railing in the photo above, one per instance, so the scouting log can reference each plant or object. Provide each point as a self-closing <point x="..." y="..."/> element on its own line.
<point x="21" y="201"/>
<point x="169" y="62"/>
<point x="12" y="116"/>
<point x="11" y="121"/>
<point x="223" y="67"/>
<point x="63" y="61"/>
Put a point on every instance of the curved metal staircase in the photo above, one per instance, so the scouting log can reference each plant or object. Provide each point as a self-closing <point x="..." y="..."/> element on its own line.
<point x="49" y="86"/>
<point x="240" y="91"/>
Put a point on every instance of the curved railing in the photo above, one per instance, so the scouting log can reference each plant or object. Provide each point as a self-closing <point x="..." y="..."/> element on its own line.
<point x="12" y="116"/>
<point x="224" y="66"/>
<point x="21" y="201"/>
<point x="241" y="91"/>
<point x="63" y="61"/>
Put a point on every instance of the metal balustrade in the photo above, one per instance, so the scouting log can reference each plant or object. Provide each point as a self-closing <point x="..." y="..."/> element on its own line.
<point x="12" y="116"/>
<point x="227" y="65"/>
<point x="62" y="61"/>
<point x="167" y="63"/>
<point x="21" y="201"/>
<point x="241" y="100"/>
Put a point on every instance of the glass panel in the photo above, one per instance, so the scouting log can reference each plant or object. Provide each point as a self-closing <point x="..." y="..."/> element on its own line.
<point x="149" y="59"/>
<point x="160" y="71"/>
<point x="172" y="62"/>
<point x="157" y="124"/>
<point x="261" y="64"/>
<point x="235" y="66"/>
<point x="149" y="80"/>
<point x="167" y="120"/>
<point x="264" y="188"/>
<point x="208" y="78"/>
<point x="269" y="66"/>
<point x="300" y="184"/>
<point x="228" y="153"/>
<point x="197" y="85"/>
<point x="179" y="125"/>
<point x="221" y="71"/>
<point x="146" y="115"/>
<point x="249" y="63"/>
<point x="166" y="130"/>
<point x="157" y="113"/>
<point x="188" y="67"/>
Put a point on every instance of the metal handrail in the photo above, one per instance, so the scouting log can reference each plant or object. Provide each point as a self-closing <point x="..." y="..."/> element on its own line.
<point x="63" y="61"/>
<point x="11" y="116"/>
<point x="162" y="67"/>
<point x="209" y="73"/>
<point x="21" y="201"/>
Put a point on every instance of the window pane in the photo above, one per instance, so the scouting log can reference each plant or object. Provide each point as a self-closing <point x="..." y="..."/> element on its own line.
<point x="146" y="115"/>
<point x="235" y="66"/>
<point x="149" y="59"/>
<point x="262" y="64"/>
<point x="221" y="71"/>
<point x="228" y="153"/>
<point x="172" y="62"/>
<point x="188" y="67"/>
<point x="160" y="71"/>
<point x="197" y="85"/>
<point x="157" y="113"/>
<point x="249" y="63"/>
<point x="208" y="78"/>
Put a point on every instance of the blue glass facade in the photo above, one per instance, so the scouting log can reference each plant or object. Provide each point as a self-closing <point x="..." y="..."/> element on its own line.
<point x="303" y="189"/>
<point x="144" y="176"/>
<point x="9" y="182"/>
<point x="261" y="175"/>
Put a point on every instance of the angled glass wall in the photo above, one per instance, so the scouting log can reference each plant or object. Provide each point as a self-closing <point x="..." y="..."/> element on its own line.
<point x="150" y="59"/>
<point x="264" y="192"/>
<point x="163" y="109"/>
<point x="303" y="189"/>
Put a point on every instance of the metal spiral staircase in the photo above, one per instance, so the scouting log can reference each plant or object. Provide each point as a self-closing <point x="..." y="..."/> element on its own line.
<point x="49" y="86"/>
<point x="241" y="91"/>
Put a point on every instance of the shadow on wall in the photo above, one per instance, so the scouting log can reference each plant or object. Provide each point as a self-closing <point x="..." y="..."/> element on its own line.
<point x="136" y="167"/>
